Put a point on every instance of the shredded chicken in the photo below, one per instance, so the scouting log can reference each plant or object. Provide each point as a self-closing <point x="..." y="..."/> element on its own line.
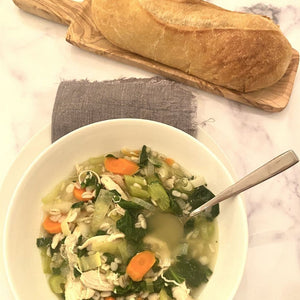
<point x="102" y="238"/>
<point x="75" y="290"/>
<point x="154" y="296"/>
<point x="71" y="217"/>
<point x="118" y="179"/>
<point x="70" y="244"/>
<point x="111" y="185"/>
<point x="95" y="280"/>
<point x="181" y="292"/>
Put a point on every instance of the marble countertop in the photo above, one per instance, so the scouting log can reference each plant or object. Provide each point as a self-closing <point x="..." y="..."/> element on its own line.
<point x="35" y="58"/>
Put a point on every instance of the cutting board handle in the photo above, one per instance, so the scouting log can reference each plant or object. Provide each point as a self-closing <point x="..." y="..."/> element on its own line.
<point x="59" y="11"/>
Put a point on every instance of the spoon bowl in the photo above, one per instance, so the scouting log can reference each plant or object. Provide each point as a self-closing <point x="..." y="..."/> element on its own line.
<point x="265" y="172"/>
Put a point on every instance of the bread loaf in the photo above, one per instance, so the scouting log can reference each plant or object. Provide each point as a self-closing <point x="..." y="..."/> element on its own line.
<point x="240" y="51"/>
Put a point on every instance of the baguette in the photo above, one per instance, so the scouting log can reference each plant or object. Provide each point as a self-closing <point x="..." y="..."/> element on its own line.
<point x="240" y="51"/>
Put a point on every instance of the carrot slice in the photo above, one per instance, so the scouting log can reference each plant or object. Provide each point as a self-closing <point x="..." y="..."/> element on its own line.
<point x="50" y="226"/>
<point x="169" y="161"/>
<point x="120" y="166"/>
<point x="140" y="264"/>
<point x="78" y="194"/>
<point x="110" y="298"/>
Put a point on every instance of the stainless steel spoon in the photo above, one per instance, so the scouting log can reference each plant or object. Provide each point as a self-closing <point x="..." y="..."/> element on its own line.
<point x="266" y="171"/>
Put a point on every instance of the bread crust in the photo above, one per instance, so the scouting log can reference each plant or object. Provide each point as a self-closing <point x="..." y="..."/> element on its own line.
<point x="239" y="51"/>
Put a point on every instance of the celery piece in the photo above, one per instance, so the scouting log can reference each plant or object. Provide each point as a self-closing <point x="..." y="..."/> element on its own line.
<point x="96" y="160"/>
<point x="159" y="194"/>
<point x="56" y="282"/>
<point x="123" y="250"/>
<point x="149" y="285"/>
<point x="163" y="295"/>
<point x="90" y="262"/>
<point x="102" y="204"/>
<point x="110" y="247"/>
<point x="138" y="192"/>
<point x="152" y="178"/>
<point x="46" y="260"/>
<point x="130" y="180"/>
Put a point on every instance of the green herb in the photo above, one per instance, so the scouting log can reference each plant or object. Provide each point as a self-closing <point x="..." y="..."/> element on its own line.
<point x="81" y="252"/>
<point x="56" y="271"/>
<point x="143" y="157"/>
<point x="133" y="287"/>
<point x="76" y="272"/>
<point x="43" y="242"/>
<point x="57" y="248"/>
<point x="200" y="196"/>
<point x="77" y="204"/>
<point x="90" y="180"/>
<point x="189" y="270"/>
<point x="110" y="258"/>
<point x="99" y="186"/>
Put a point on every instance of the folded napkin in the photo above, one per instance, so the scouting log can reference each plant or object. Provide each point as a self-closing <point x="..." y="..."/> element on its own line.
<point x="79" y="103"/>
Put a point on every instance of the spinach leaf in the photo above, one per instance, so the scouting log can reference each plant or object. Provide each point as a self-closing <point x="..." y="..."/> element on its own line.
<point x="126" y="225"/>
<point x="190" y="270"/>
<point x="43" y="242"/>
<point x="174" y="206"/>
<point x="160" y="284"/>
<point x="200" y="196"/>
<point x="143" y="157"/>
<point x="129" y="205"/>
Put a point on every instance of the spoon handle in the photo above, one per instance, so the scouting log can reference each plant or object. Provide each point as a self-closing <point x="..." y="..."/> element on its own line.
<point x="266" y="171"/>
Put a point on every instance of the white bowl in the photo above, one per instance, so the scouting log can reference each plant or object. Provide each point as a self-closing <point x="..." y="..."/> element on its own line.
<point x="22" y="258"/>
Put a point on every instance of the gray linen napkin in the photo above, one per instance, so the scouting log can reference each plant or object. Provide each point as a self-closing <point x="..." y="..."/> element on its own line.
<point x="79" y="103"/>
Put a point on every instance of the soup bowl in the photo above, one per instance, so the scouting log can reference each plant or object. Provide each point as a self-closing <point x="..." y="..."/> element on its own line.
<point x="22" y="258"/>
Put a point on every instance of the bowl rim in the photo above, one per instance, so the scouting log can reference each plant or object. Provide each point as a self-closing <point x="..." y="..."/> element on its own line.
<point x="69" y="135"/>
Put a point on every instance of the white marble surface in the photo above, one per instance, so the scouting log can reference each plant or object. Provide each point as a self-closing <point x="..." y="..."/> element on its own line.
<point x="34" y="58"/>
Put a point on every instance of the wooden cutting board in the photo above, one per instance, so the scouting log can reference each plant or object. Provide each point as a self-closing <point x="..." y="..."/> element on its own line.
<point x="83" y="33"/>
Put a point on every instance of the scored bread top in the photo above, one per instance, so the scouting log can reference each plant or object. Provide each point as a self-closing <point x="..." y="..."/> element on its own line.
<point x="191" y="14"/>
<point x="240" y="51"/>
